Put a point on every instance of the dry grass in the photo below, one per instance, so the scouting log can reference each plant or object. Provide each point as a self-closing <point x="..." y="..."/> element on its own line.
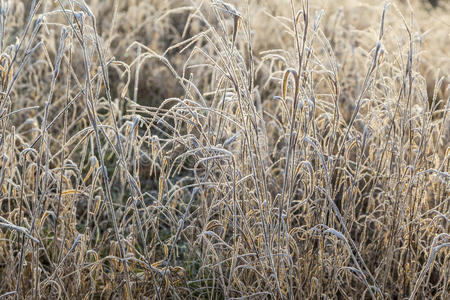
<point x="190" y="149"/>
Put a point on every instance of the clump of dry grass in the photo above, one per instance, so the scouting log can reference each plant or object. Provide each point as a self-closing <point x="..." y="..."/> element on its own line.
<point x="198" y="149"/>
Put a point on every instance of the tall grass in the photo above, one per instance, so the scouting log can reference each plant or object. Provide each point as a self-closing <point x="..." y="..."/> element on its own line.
<point x="212" y="150"/>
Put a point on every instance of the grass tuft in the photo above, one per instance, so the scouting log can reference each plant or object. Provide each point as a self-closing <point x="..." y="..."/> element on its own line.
<point x="224" y="150"/>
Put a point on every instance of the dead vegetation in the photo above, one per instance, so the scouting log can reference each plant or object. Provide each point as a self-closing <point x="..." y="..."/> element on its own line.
<point x="200" y="150"/>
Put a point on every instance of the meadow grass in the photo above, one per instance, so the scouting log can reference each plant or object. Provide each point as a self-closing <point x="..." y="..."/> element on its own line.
<point x="254" y="149"/>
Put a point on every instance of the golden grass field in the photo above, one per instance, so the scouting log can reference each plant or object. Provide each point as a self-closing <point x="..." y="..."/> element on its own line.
<point x="197" y="149"/>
